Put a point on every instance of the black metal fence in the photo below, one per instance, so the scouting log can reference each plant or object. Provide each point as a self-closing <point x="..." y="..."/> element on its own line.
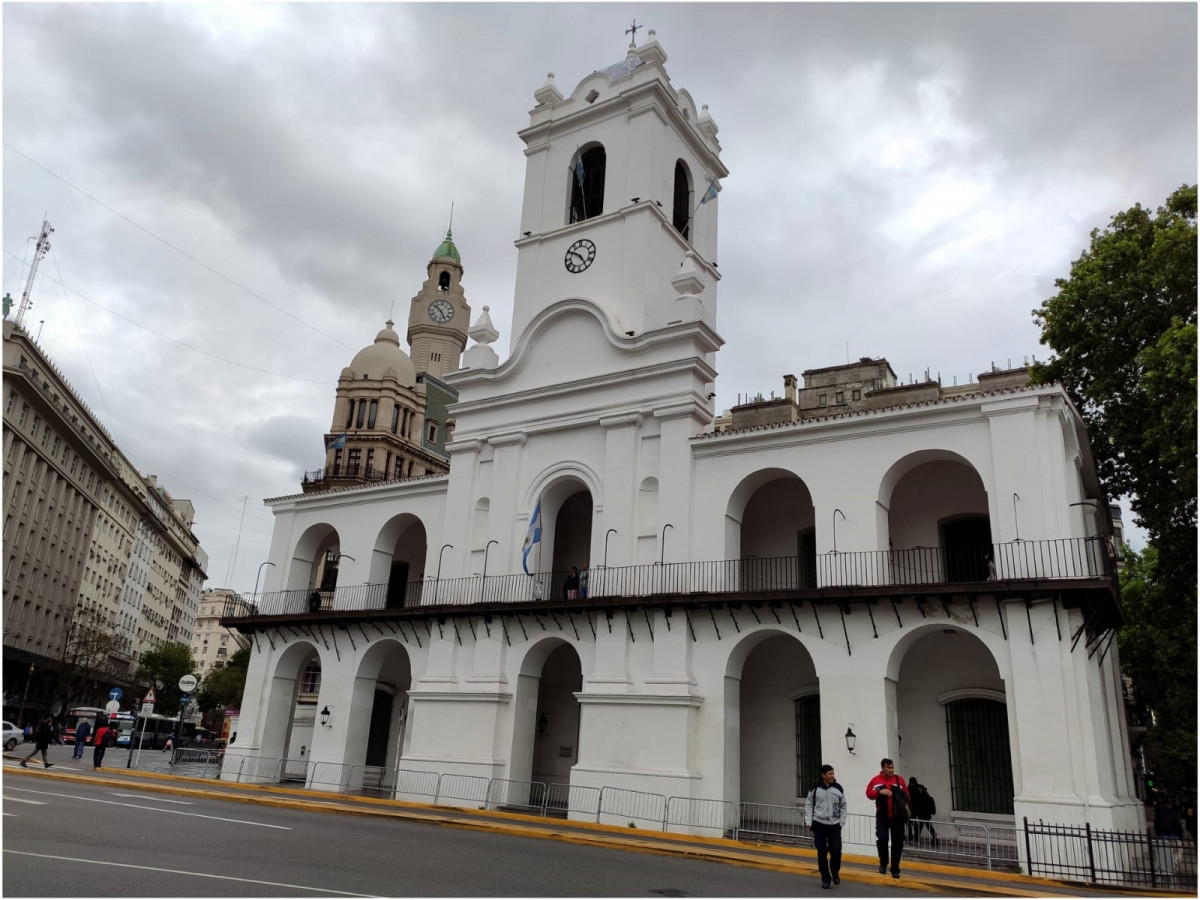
<point x="1068" y="558"/>
<point x="1115" y="858"/>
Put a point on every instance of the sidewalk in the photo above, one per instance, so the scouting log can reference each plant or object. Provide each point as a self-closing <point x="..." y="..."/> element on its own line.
<point x="801" y="861"/>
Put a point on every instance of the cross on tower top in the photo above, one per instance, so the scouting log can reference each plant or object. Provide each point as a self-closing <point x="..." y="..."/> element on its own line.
<point x="632" y="31"/>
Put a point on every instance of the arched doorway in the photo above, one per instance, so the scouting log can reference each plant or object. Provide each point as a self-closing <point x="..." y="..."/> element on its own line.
<point x="398" y="563"/>
<point x="290" y="712"/>
<point x="775" y="535"/>
<point x="952" y="722"/>
<point x="546" y="716"/>
<point x="777" y="742"/>
<point x="378" y="712"/>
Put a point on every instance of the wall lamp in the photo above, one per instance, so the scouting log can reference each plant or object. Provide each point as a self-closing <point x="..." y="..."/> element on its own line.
<point x="325" y="717"/>
<point x="851" y="737"/>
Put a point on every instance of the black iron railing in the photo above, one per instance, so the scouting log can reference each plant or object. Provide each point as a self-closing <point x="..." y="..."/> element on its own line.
<point x="356" y="471"/>
<point x="1116" y="858"/>
<point x="1072" y="558"/>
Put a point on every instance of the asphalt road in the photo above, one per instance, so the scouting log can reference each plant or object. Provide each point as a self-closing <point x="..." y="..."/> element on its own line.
<point x="72" y="840"/>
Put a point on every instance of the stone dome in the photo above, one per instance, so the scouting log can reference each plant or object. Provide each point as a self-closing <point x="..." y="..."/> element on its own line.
<point x="384" y="358"/>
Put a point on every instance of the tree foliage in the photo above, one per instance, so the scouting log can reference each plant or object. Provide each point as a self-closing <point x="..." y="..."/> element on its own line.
<point x="90" y="661"/>
<point x="161" y="669"/>
<point x="1158" y="650"/>
<point x="222" y="688"/>
<point x="1123" y="331"/>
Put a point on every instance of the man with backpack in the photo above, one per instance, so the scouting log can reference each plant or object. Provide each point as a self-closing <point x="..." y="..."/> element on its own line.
<point x="103" y="740"/>
<point x="41" y="743"/>
<point x="892" y="811"/>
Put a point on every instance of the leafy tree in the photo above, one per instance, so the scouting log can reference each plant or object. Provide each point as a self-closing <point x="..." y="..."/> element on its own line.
<point x="161" y="669"/>
<point x="1123" y="330"/>
<point x="1161" y="665"/>
<point x="222" y="688"/>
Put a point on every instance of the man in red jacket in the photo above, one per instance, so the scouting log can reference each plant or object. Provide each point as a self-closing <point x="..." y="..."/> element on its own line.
<point x="889" y="791"/>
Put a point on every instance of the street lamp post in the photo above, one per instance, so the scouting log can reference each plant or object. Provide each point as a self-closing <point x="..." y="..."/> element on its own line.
<point x="662" y="544"/>
<point x="836" y="513"/>
<point x="483" y="580"/>
<point x="257" y="577"/>
<point x="607" y="535"/>
<point x="25" y="695"/>
<point x="438" y="581"/>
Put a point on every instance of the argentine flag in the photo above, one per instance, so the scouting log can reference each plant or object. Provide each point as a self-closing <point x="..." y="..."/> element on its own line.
<point x="338" y="442"/>
<point x="710" y="194"/>
<point x="532" y="536"/>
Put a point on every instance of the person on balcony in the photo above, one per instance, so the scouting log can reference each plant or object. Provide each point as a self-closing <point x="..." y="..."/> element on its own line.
<point x="571" y="585"/>
<point x="890" y="793"/>
<point x="314" y="602"/>
<point x="825" y="814"/>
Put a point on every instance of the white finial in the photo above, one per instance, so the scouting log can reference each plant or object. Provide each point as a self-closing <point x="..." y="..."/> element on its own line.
<point x="549" y="76"/>
<point x="651" y="33"/>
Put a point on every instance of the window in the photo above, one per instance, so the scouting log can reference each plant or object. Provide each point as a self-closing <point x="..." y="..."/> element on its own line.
<point x="370" y="460"/>
<point x="37" y="421"/>
<point x="980" y="759"/>
<point x="362" y="412"/>
<point x="355" y="461"/>
<point x="24" y="413"/>
<point x="374" y="411"/>
<point x="444" y="281"/>
<point x="310" y="683"/>
<point x="839" y="398"/>
<point x="399" y="468"/>
<point x="856" y="395"/>
<point x="823" y="400"/>
<point x="808" y="742"/>
<point x="681" y="206"/>
<point x="12" y="401"/>
<point x="395" y="418"/>
<point x="432" y="433"/>
<point x="587" y="185"/>
<point x="350" y="415"/>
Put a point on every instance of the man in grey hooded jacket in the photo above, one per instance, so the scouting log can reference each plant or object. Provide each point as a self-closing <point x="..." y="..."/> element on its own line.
<point x="825" y="815"/>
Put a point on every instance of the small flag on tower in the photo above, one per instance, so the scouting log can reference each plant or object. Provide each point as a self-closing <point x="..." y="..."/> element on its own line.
<point x="338" y="442"/>
<point x="710" y="194"/>
<point x="579" y="173"/>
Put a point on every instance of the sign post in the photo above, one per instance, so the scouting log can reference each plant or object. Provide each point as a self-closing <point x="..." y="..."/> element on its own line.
<point x="187" y="684"/>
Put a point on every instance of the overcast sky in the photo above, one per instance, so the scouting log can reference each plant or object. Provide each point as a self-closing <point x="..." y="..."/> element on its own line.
<point x="240" y="193"/>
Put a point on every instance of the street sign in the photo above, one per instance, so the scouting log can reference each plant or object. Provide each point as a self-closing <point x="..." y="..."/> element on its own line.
<point x="112" y="706"/>
<point x="115" y="694"/>
<point x="149" y="698"/>
<point x="147" y="708"/>
<point x="188" y="683"/>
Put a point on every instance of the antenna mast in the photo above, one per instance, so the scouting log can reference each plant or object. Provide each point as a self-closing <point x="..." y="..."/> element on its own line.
<point x="43" y="247"/>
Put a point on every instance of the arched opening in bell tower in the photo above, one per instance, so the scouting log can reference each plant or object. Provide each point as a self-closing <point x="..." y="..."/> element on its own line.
<point x="681" y="207"/>
<point x="587" y="184"/>
<point x="572" y="542"/>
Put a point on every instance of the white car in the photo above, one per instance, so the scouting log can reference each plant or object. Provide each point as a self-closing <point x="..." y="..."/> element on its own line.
<point x="12" y="735"/>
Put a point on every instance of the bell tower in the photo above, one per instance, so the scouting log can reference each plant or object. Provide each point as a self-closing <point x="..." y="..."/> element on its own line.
<point x="620" y="205"/>
<point x="439" y="316"/>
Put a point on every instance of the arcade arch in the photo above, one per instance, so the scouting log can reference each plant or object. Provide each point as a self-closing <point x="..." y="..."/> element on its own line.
<point x="378" y="706"/>
<point x="398" y="558"/>
<point x="546" y="713"/>
<point x="771" y="528"/>
<point x="952" y="720"/>
<point x="774" y="733"/>
<point x="315" y="560"/>
<point x="291" y="702"/>
<point x="938" y="525"/>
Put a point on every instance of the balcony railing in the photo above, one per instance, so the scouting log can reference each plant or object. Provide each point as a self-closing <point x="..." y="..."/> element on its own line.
<point x="355" y="471"/>
<point x="1072" y="558"/>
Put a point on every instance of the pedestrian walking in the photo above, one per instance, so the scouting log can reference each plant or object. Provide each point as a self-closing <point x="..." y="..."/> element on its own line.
<point x="101" y="742"/>
<point x="82" y="731"/>
<point x="924" y="808"/>
<point x="41" y="743"/>
<point x="890" y="793"/>
<point x="170" y="744"/>
<point x="825" y="814"/>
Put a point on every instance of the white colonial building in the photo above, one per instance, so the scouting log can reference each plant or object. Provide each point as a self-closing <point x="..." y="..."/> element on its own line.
<point x="926" y="568"/>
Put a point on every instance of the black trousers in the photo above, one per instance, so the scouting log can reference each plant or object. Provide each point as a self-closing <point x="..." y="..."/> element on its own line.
<point x="889" y="828"/>
<point x="828" y="841"/>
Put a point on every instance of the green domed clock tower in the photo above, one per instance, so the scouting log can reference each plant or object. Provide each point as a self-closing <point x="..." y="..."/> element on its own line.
<point x="439" y="316"/>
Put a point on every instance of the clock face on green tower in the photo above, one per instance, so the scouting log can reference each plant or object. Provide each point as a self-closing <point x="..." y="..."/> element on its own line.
<point x="441" y="311"/>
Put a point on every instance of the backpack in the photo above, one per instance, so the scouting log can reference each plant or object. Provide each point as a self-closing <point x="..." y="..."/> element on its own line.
<point x="901" y="806"/>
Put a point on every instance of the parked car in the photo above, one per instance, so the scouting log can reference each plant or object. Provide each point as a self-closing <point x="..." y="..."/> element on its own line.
<point x="12" y="735"/>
